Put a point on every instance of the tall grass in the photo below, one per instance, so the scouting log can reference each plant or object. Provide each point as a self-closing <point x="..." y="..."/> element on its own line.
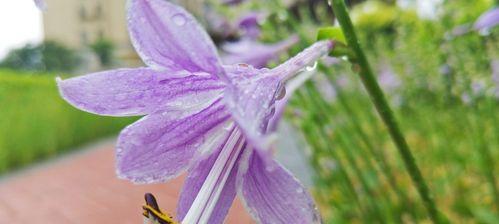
<point x="35" y="123"/>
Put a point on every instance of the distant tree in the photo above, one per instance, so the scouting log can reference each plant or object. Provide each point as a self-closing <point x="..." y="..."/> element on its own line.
<point x="103" y="48"/>
<point x="47" y="56"/>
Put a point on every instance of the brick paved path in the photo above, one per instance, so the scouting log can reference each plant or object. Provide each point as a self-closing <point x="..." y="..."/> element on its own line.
<point x="82" y="188"/>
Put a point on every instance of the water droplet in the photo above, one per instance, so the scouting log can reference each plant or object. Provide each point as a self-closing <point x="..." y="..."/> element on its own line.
<point x="311" y="68"/>
<point x="179" y="19"/>
<point x="484" y="32"/>
<point x="281" y="94"/>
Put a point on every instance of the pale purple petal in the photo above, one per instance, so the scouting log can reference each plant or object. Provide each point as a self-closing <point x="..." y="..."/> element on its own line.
<point x="250" y="24"/>
<point x="232" y="2"/>
<point x="487" y="20"/>
<point x="306" y="58"/>
<point x="41" y="4"/>
<point x="275" y="196"/>
<point x="161" y="146"/>
<point x="252" y="93"/>
<point x="280" y="105"/>
<point x="387" y="78"/>
<point x="165" y="35"/>
<point x="251" y="98"/>
<point x="139" y="91"/>
<point x="255" y="53"/>
<point x="196" y="178"/>
<point x="218" y="25"/>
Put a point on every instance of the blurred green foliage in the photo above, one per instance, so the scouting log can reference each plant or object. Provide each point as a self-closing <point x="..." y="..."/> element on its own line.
<point x="47" y="56"/>
<point x="442" y="89"/>
<point x="103" y="48"/>
<point x="35" y="123"/>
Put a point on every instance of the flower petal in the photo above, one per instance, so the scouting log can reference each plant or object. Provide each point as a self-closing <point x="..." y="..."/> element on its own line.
<point x="280" y="105"/>
<point x="139" y="91"/>
<point x="251" y="93"/>
<point x="196" y="178"/>
<point x="250" y="99"/>
<point x="40" y="4"/>
<point x="487" y="20"/>
<point x="275" y="196"/>
<point x="167" y="36"/>
<point x="255" y="53"/>
<point x="160" y="146"/>
<point x="249" y="24"/>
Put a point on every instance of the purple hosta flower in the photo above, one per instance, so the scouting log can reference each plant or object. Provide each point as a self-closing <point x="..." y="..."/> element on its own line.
<point x="327" y="90"/>
<point x="218" y="25"/>
<point x="253" y="52"/>
<point x="344" y="81"/>
<point x="249" y="24"/>
<point x="41" y="4"/>
<point x="388" y="80"/>
<point x="478" y="87"/>
<point x="466" y="99"/>
<point x="232" y="2"/>
<point x="458" y="31"/>
<point x="213" y="120"/>
<point x="487" y="20"/>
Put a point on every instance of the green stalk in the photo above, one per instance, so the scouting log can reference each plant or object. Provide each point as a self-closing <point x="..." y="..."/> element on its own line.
<point x="370" y="83"/>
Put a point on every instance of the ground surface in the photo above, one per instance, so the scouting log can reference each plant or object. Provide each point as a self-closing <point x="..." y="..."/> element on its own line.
<point x="83" y="188"/>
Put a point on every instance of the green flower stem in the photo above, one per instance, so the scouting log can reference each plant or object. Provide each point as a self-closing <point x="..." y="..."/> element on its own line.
<point x="378" y="98"/>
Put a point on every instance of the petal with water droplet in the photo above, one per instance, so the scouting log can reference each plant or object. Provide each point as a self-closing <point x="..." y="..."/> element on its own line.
<point x="167" y="36"/>
<point x="160" y="146"/>
<point x="487" y="20"/>
<point x="275" y="196"/>
<point x="140" y="91"/>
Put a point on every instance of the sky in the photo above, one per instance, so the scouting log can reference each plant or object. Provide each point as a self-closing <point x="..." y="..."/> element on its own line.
<point x="20" y="23"/>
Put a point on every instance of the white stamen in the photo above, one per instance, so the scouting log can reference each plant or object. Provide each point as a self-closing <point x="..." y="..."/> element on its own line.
<point x="207" y="198"/>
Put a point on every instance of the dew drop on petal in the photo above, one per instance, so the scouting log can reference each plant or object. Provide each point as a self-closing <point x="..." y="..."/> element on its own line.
<point x="179" y="19"/>
<point x="281" y="94"/>
<point x="311" y="68"/>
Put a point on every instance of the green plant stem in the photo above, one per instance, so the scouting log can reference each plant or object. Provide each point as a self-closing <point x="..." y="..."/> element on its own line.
<point x="370" y="83"/>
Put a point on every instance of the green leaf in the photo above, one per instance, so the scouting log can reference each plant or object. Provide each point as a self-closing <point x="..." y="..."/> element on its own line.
<point x="331" y="33"/>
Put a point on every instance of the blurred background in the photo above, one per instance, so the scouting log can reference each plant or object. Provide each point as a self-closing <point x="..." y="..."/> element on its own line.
<point x="440" y="72"/>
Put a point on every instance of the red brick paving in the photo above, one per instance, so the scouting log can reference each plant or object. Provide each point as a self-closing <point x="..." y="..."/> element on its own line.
<point x="83" y="188"/>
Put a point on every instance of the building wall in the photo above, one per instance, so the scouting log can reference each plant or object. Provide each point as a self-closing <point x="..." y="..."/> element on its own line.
<point x="78" y="23"/>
